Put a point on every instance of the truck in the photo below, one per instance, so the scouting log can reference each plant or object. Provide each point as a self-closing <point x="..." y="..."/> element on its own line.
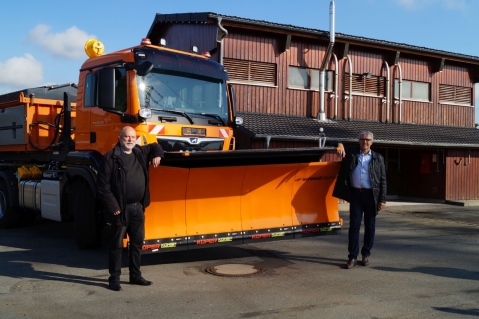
<point x="205" y="192"/>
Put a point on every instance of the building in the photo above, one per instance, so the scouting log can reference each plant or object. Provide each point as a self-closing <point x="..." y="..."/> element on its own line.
<point x="419" y="102"/>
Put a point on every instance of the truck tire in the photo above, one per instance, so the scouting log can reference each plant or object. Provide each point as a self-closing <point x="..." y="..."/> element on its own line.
<point x="86" y="217"/>
<point x="9" y="216"/>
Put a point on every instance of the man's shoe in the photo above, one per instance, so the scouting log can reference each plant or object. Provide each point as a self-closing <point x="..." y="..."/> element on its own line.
<point x="140" y="281"/>
<point x="351" y="263"/>
<point x="365" y="261"/>
<point x="115" y="285"/>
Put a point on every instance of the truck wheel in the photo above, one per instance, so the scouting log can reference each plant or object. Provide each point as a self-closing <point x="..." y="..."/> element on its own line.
<point x="9" y="216"/>
<point x="87" y="222"/>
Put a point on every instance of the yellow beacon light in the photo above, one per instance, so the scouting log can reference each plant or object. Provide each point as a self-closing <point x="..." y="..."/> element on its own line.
<point x="94" y="48"/>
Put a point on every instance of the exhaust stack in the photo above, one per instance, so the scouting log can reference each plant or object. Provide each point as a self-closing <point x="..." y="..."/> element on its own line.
<point x="322" y="114"/>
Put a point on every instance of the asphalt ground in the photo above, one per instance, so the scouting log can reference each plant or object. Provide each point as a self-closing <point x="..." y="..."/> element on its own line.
<point x="424" y="265"/>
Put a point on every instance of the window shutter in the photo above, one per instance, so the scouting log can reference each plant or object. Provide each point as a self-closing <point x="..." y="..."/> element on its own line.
<point x="374" y="85"/>
<point x="250" y="71"/>
<point x="455" y="94"/>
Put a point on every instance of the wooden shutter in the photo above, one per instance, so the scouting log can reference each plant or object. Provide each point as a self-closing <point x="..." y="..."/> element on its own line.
<point x="250" y="71"/>
<point x="455" y="94"/>
<point x="373" y="85"/>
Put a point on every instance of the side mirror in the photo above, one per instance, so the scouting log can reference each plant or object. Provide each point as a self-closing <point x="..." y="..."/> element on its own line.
<point x="144" y="68"/>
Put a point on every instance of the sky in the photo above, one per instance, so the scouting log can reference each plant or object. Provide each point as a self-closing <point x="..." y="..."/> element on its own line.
<point x="42" y="42"/>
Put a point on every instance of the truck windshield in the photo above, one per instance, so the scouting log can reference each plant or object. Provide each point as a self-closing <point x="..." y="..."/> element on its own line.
<point x="183" y="92"/>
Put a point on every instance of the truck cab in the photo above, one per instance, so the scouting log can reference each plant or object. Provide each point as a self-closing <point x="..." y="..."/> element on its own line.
<point x="181" y="100"/>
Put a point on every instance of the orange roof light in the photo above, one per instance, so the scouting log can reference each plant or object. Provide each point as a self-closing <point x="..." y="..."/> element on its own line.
<point x="145" y="41"/>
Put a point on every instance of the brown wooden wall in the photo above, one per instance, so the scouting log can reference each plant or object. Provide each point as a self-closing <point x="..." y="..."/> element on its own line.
<point x="411" y="182"/>
<point x="461" y="175"/>
<point x="264" y="46"/>
<point x="422" y="70"/>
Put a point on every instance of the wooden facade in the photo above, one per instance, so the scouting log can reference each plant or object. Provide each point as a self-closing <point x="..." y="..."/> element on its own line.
<point x="260" y="58"/>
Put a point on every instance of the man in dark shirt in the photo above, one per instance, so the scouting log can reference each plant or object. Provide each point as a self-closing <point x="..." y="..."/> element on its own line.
<point x="123" y="188"/>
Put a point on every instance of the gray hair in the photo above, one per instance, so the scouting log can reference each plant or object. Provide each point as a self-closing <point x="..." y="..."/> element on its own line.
<point x="366" y="133"/>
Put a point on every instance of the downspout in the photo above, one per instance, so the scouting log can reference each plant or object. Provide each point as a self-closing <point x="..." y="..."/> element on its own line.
<point x="388" y="97"/>
<point x="267" y="140"/>
<point x="350" y="95"/>
<point x="400" y="93"/>
<point x="336" y="77"/>
<point x="222" y="33"/>
<point x="322" y="114"/>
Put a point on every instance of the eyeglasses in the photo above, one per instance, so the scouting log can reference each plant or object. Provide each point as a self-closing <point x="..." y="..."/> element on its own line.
<point x="365" y="139"/>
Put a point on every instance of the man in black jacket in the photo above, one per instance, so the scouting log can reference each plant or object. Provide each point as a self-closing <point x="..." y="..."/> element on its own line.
<point x="123" y="188"/>
<point x="361" y="182"/>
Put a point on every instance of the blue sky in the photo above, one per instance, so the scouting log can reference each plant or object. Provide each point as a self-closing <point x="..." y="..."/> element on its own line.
<point x="42" y="41"/>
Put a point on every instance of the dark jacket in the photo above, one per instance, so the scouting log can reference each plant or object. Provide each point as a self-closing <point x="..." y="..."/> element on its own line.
<point x="377" y="175"/>
<point x="111" y="178"/>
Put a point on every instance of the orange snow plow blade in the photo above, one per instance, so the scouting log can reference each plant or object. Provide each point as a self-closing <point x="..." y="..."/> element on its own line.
<point x="266" y="198"/>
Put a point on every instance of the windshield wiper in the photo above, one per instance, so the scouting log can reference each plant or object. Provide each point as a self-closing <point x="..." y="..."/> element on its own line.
<point x="176" y="112"/>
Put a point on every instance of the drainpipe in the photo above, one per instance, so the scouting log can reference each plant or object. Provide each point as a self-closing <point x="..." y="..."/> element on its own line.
<point x="322" y="114"/>
<point x="267" y="140"/>
<point x="400" y="93"/>
<point x="350" y="95"/>
<point x="336" y="77"/>
<point x="222" y="33"/>
<point x="387" y="91"/>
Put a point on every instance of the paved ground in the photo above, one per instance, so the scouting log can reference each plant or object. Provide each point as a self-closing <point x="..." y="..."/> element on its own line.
<point x="424" y="265"/>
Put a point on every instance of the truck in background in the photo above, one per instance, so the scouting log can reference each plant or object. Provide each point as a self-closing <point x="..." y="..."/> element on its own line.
<point x="205" y="192"/>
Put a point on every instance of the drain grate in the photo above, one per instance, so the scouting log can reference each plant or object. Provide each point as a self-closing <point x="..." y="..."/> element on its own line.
<point x="234" y="270"/>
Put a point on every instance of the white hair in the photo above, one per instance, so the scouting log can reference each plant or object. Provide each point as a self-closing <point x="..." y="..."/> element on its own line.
<point x="366" y="133"/>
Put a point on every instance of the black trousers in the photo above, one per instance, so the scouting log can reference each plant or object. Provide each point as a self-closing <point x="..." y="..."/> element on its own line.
<point x="135" y="228"/>
<point x="361" y="203"/>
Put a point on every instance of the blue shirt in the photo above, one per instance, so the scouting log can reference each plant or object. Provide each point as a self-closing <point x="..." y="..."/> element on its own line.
<point x="360" y="175"/>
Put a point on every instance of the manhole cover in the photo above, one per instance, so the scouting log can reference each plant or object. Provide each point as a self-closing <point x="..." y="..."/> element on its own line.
<point x="234" y="270"/>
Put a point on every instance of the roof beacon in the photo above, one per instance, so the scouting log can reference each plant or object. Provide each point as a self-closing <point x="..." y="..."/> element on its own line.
<point x="206" y="54"/>
<point x="145" y="41"/>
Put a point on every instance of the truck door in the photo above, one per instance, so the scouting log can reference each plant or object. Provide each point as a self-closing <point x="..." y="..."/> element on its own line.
<point x="100" y="128"/>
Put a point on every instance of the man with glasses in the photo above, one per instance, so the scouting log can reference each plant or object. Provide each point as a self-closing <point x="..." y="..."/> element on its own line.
<point x="361" y="182"/>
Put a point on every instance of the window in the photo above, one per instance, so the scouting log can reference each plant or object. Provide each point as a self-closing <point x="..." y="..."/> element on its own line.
<point x="366" y="84"/>
<point x="302" y="78"/>
<point x="412" y="90"/>
<point x="120" y="89"/>
<point x="455" y="94"/>
<point x="90" y="90"/>
<point x="250" y="72"/>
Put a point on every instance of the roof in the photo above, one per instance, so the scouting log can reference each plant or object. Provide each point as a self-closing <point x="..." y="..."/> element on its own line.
<point x="288" y="127"/>
<point x="202" y="17"/>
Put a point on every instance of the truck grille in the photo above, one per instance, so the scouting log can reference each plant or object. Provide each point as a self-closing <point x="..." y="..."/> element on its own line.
<point x="170" y="144"/>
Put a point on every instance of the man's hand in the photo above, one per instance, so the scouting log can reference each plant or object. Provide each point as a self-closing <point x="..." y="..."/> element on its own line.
<point x="341" y="151"/>
<point x="156" y="161"/>
<point x="116" y="213"/>
<point x="381" y="206"/>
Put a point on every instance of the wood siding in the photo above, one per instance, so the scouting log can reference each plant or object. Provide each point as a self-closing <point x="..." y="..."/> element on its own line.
<point x="461" y="175"/>
<point x="432" y="113"/>
<point x="279" y="99"/>
<point x="406" y="177"/>
<point x="263" y="46"/>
